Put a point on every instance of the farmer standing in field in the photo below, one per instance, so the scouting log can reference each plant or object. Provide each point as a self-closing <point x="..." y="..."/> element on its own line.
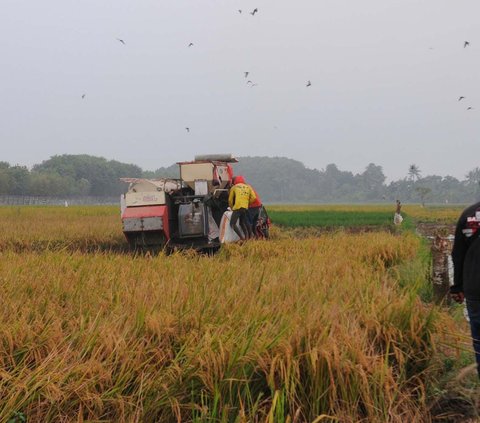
<point x="254" y="211"/>
<point x="466" y="262"/>
<point x="239" y="198"/>
<point x="397" y="218"/>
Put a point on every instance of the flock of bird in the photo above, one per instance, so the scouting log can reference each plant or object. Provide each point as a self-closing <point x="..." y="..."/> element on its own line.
<point x="461" y="98"/>
<point x="251" y="13"/>
<point x="250" y="83"/>
<point x="308" y="84"/>
<point x="465" y="44"/>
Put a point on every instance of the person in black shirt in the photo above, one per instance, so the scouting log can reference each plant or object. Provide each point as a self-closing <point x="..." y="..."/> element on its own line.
<point x="466" y="270"/>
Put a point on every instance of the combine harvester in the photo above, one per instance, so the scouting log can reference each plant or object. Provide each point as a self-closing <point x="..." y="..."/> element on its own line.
<point x="190" y="212"/>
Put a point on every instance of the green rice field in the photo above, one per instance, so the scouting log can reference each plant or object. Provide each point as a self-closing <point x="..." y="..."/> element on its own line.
<point x="326" y="218"/>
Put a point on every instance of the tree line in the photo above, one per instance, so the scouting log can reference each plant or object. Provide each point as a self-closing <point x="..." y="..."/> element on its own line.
<point x="67" y="175"/>
<point x="277" y="179"/>
<point x="283" y="180"/>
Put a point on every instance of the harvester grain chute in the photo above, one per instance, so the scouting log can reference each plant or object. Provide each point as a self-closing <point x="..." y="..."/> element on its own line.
<point x="188" y="212"/>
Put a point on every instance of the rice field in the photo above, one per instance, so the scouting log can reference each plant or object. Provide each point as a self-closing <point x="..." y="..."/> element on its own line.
<point x="361" y="215"/>
<point x="332" y="328"/>
<point x="331" y="218"/>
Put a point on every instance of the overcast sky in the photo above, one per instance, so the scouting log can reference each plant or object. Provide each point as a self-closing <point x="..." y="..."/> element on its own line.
<point x="386" y="76"/>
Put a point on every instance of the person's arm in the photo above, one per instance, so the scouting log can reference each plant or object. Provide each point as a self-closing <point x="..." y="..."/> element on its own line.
<point x="458" y="255"/>
<point x="253" y="197"/>
<point x="231" y="197"/>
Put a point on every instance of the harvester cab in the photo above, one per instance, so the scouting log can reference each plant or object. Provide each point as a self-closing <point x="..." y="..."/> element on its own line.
<point x="179" y="213"/>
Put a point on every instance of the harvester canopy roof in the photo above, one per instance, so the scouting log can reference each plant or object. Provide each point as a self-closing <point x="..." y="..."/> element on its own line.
<point x="213" y="158"/>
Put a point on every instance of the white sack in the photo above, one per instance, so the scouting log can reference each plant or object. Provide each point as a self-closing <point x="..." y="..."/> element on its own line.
<point x="213" y="231"/>
<point x="227" y="234"/>
<point x="397" y="219"/>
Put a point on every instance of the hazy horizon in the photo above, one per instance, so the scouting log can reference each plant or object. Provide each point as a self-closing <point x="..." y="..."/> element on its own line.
<point x="386" y="77"/>
<point x="423" y="174"/>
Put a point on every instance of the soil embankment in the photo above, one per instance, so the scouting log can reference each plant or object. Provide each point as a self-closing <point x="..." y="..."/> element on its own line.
<point x="441" y="238"/>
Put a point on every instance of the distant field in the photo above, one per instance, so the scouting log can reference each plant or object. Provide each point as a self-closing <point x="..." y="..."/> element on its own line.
<point x="331" y="218"/>
<point x="41" y="228"/>
<point x="359" y="215"/>
<point x="329" y="328"/>
<point x="36" y="228"/>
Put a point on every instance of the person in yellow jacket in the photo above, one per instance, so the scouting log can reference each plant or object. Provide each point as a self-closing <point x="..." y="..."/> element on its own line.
<point x="239" y="198"/>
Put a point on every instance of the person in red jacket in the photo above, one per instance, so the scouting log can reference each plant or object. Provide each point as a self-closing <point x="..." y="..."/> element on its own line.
<point x="254" y="212"/>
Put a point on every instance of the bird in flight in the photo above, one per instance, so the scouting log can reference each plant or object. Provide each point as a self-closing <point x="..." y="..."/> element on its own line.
<point x="190" y="45"/>
<point x="461" y="98"/>
<point x="469" y="108"/>
<point x="239" y="10"/>
<point x="309" y="83"/>
<point x="246" y="74"/>
<point x="119" y="39"/>
<point x="187" y="129"/>
<point x="254" y="11"/>
<point x="83" y="95"/>
<point x="466" y="43"/>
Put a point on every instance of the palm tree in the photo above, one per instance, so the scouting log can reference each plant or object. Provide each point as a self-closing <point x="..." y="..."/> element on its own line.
<point x="414" y="172"/>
